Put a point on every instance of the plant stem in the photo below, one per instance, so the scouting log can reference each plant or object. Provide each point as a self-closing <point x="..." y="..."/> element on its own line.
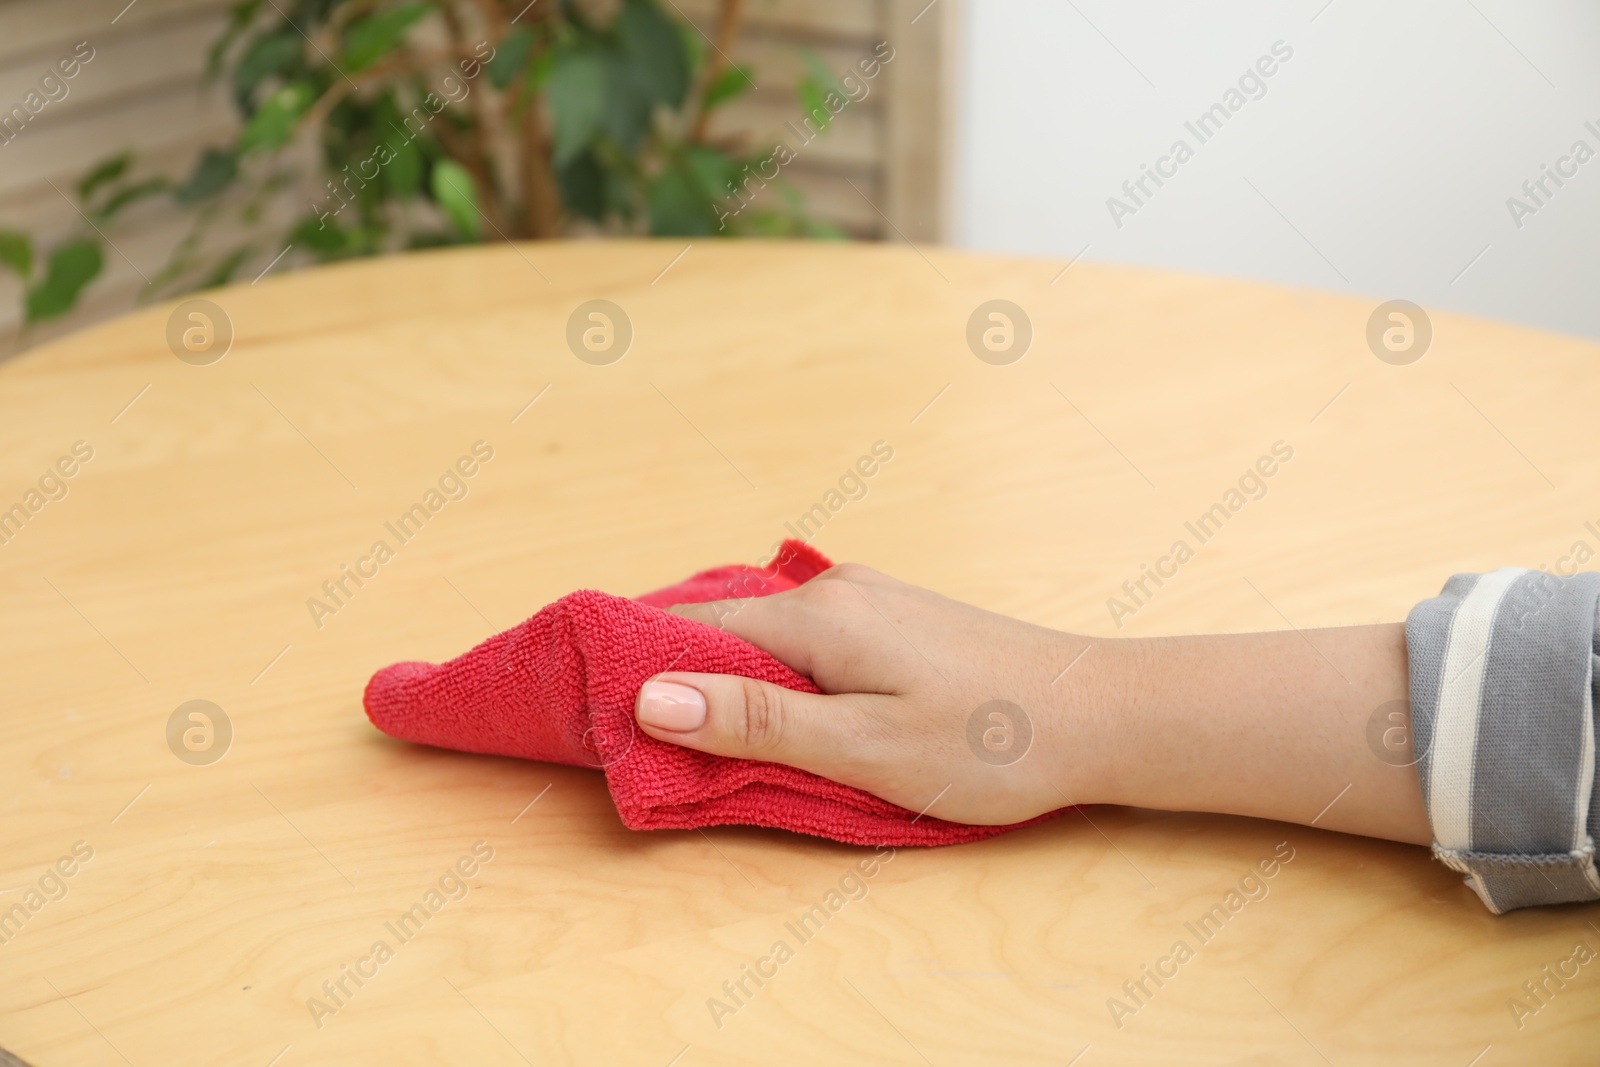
<point x="541" y="206"/>
<point x="543" y="202"/>
<point x="472" y="151"/>
<point x="728" y="18"/>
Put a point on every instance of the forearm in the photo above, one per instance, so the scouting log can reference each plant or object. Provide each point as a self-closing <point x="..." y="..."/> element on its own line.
<point x="1270" y="725"/>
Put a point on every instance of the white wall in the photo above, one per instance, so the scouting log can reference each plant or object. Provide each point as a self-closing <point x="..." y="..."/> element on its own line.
<point x="1390" y="140"/>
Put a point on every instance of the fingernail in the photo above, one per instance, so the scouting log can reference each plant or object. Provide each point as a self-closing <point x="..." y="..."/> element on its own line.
<point x="670" y="706"/>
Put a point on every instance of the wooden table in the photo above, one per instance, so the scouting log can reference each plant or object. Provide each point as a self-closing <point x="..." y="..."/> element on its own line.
<point x="222" y="894"/>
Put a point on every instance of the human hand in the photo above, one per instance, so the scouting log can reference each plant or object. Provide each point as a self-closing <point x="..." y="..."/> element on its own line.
<point x="1271" y="725"/>
<point x="909" y="682"/>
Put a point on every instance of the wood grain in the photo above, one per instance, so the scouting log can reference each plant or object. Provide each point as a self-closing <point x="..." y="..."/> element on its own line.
<point x="221" y="897"/>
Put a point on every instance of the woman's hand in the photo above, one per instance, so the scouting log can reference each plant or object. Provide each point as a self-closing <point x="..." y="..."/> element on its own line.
<point x="931" y="704"/>
<point x="972" y="717"/>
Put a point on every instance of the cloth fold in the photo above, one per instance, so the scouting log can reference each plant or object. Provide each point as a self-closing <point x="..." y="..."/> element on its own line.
<point x="560" y="687"/>
<point x="1504" y="679"/>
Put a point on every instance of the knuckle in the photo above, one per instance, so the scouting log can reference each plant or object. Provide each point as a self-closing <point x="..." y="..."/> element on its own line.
<point x="761" y="726"/>
<point x="831" y="598"/>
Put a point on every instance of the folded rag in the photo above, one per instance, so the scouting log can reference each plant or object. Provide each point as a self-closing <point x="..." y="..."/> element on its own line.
<point x="560" y="687"/>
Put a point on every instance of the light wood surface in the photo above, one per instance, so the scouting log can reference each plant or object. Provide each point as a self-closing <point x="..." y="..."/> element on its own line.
<point x="220" y="897"/>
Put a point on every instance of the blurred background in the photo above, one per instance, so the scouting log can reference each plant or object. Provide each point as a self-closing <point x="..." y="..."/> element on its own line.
<point x="1442" y="151"/>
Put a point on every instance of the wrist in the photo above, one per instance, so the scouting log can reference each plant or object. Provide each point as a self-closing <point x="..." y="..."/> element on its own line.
<point x="1090" y="748"/>
<point x="1268" y="725"/>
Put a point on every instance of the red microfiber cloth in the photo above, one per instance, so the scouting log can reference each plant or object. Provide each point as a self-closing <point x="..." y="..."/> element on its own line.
<point x="560" y="687"/>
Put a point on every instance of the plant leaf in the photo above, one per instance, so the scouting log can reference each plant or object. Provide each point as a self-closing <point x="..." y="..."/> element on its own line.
<point x="627" y="103"/>
<point x="823" y="230"/>
<point x="713" y="168"/>
<point x="16" y="252"/>
<point x="223" y="273"/>
<point x="813" y="89"/>
<point x="324" y="238"/>
<point x="274" y="53"/>
<point x="677" y="206"/>
<point x="694" y="47"/>
<point x="511" y="57"/>
<point x="72" y="266"/>
<point x="654" y="47"/>
<point x="732" y="82"/>
<point x="108" y="170"/>
<point x="239" y="20"/>
<point x="583" y="187"/>
<point x="453" y="190"/>
<point x="576" y="91"/>
<point x="402" y="173"/>
<point x="129" y="194"/>
<point x="370" y="39"/>
<point x="539" y="70"/>
<point x="620" y="194"/>
<point x="273" y="124"/>
<point x="212" y="173"/>
<point x="812" y="105"/>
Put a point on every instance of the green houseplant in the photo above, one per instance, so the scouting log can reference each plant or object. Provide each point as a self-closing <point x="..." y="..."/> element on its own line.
<point x="415" y="124"/>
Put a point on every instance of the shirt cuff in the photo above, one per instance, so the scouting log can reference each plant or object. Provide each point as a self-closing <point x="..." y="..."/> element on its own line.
<point x="1503" y="678"/>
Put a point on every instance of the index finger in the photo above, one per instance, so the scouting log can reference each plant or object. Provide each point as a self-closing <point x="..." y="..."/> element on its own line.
<point x="774" y="623"/>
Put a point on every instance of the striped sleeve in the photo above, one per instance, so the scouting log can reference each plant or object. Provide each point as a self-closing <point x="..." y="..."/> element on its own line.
<point x="1502" y="679"/>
